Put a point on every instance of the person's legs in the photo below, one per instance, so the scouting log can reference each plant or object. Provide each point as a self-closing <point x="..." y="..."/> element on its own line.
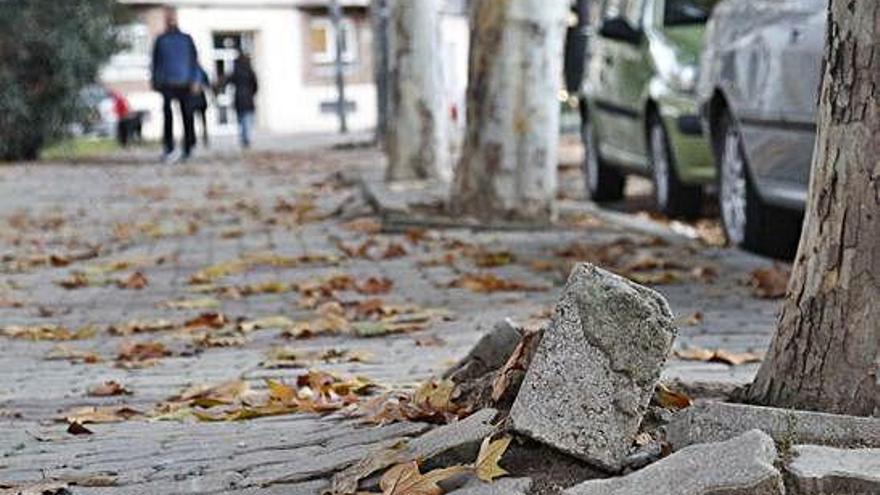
<point x="189" y="131"/>
<point x="168" y="115"/>
<point x="245" y="124"/>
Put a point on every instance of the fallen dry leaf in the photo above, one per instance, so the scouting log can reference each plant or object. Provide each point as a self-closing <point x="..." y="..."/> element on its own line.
<point x="48" y="332"/>
<point x="770" y="283"/>
<point x="406" y="479"/>
<point x="67" y="353"/>
<point x="97" y="415"/>
<point x="77" y="428"/>
<point x="199" y="303"/>
<point x="136" y="281"/>
<point x="671" y="399"/>
<point x="486" y="465"/>
<point x="374" y="286"/>
<point x="264" y="323"/>
<point x="488" y="282"/>
<point x="718" y="356"/>
<point x="109" y="388"/>
<point x="141" y="354"/>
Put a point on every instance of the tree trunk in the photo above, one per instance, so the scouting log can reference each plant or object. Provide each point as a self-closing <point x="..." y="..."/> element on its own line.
<point x="417" y="144"/>
<point x="508" y="164"/>
<point x="826" y="352"/>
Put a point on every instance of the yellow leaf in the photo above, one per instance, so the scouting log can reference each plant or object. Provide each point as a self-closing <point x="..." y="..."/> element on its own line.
<point x="487" y="468"/>
<point x="405" y="479"/>
<point x="280" y="392"/>
<point x="203" y="303"/>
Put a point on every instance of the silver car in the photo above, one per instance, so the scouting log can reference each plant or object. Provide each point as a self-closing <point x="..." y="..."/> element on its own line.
<point x="758" y="91"/>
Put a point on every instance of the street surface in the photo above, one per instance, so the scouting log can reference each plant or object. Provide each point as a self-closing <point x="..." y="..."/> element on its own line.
<point x="193" y="260"/>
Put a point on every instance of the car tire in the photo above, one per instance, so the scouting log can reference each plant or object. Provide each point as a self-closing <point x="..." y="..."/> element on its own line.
<point x="748" y="222"/>
<point x="671" y="196"/>
<point x="603" y="183"/>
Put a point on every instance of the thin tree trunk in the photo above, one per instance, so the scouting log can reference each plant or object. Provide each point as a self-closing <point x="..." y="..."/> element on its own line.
<point x="508" y="165"/>
<point x="826" y="352"/>
<point x="417" y="143"/>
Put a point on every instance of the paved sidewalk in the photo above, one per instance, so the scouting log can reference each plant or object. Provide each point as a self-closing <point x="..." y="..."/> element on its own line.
<point x="171" y="222"/>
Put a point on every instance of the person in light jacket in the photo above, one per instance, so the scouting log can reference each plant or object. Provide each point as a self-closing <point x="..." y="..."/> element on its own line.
<point x="244" y="80"/>
<point x="176" y="77"/>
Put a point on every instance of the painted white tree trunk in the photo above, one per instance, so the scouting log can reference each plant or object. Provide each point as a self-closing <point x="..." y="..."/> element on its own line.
<point x="508" y="165"/>
<point x="417" y="144"/>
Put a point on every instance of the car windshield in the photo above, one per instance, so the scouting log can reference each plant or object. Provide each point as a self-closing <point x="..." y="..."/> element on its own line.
<point x="680" y="12"/>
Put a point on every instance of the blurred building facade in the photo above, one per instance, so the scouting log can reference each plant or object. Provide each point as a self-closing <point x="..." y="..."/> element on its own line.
<point x="292" y="44"/>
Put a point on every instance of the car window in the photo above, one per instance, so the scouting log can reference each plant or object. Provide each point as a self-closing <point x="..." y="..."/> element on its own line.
<point x="681" y="12"/>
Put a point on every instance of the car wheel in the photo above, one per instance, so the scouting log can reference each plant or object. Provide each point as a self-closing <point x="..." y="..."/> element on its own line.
<point x="749" y="222"/>
<point x="671" y="196"/>
<point x="602" y="182"/>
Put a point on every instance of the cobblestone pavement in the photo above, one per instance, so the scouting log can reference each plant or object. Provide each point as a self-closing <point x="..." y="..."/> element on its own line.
<point x="170" y="222"/>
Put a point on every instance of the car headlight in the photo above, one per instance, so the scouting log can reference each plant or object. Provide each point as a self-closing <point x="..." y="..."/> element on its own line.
<point x="684" y="78"/>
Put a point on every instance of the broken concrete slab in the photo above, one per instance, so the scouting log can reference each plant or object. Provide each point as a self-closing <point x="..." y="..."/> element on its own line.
<point x="465" y="434"/>
<point x="818" y="470"/>
<point x="709" y="421"/>
<point x="502" y="486"/>
<point x="740" y="466"/>
<point x="489" y="353"/>
<point x="595" y="370"/>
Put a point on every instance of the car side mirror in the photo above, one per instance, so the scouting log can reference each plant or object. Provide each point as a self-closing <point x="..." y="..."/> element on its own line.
<point x="617" y="28"/>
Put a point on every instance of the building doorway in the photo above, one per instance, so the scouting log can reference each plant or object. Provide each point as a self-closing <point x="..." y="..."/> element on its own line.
<point x="227" y="45"/>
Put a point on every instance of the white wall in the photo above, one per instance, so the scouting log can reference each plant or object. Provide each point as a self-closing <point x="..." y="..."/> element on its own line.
<point x="284" y="103"/>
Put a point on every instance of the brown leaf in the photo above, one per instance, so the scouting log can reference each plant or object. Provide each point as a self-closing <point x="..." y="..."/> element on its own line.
<point x="136" y="281"/>
<point x="394" y="250"/>
<point x="671" y="399"/>
<point x="76" y="428"/>
<point x="96" y="415"/>
<point x="770" y="283"/>
<point x="142" y="352"/>
<point x="492" y="259"/>
<point x="364" y="225"/>
<point x="48" y="332"/>
<point x="519" y="360"/>
<point x="67" y="353"/>
<point x="487" y="283"/>
<point x="718" y="356"/>
<point x="206" y="320"/>
<point x="374" y="286"/>
<point x="405" y="479"/>
<point x="109" y="388"/>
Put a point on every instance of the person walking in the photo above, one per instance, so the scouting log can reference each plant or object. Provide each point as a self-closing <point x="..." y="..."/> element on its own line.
<point x="200" y="104"/>
<point x="244" y="80"/>
<point x="176" y="77"/>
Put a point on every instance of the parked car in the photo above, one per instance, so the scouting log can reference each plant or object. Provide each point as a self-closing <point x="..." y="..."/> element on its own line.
<point x="638" y="103"/>
<point x="761" y="71"/>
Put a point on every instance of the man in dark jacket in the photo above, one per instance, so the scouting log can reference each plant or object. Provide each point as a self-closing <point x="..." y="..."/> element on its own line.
<point x="176" y="76"/>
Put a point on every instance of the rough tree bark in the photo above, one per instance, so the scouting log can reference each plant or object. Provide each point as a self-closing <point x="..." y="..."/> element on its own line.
<point x="508" y="164"/>
<point x="417" y="143"/>
<point x="826" y="352"/>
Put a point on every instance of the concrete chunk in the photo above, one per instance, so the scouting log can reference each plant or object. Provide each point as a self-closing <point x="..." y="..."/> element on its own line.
<point x="817" y="470"/>
<point x="741" y="466"/>
<point x="489" y="353"/>
<point x="711" y="421"/>
<point x="596" y="367"/>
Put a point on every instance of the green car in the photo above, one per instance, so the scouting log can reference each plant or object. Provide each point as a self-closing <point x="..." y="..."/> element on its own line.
<point x="638" y="104"/>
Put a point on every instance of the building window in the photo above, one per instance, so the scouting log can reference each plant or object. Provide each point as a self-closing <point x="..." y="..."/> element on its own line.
<point x="135" y="40"/>
<point x="322" y="41"/>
